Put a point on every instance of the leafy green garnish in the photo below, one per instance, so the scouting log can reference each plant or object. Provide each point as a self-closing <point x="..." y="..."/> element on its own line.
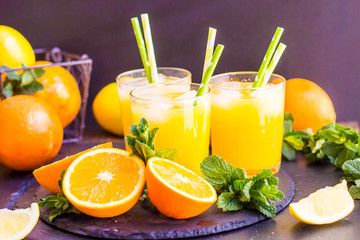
<point x="23" y="83"/>
<point x="334" y="142"/>
<point x="142" y="144"/>
<point x="237" y="191"/>
<point x="293" y="140"/>
<point x="58" y="204"/>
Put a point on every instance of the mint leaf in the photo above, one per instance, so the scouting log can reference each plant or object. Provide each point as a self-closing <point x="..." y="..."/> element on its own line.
<point x="142" y="144"/>
<point x="34" y="87"/>
<point x="57" y="204"/>
<point x="265" y="207"/>
<point x="27" y="78"/>
<point x="219" y="173"/>
<point x="288" y="122"/>
<point x="332" y="150"/>
<point x="236" y="191"/>
<point x="228" y="202"/>
<point x="288" y="152"/>
<point x="140" y="149"/>
<point x="167" y="153"/>
<point x="38" y="72"/>
<point x="264" y="174"/>
<point x="293" y="139"/>
<point x="8" y="89"/>
<point x="352" y="168"/>
<point x="343" y="156"/>
<point x="244" y="186"/>
<point x="273" y="181"/>
<point x="295" y="142"/>
<point x="13" y="76"/>
<point x="355" y="192"/>
<point x="151" y="138"/>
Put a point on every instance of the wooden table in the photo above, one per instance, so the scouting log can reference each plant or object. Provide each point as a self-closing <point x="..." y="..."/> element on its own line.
<point x="307" y="177"/>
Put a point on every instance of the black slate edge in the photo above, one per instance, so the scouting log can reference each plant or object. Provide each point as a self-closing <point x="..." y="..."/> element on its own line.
<point x="24" y="185"/>
<point x="113" y="233"/>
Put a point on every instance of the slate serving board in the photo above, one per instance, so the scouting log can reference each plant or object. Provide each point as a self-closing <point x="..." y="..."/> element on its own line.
<point x="142" y="222"/>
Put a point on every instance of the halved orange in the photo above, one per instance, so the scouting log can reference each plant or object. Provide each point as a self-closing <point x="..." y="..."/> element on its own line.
<point x="104" y="182"/>
<point x="176" y="191"/>
<point x="48" y="176"/>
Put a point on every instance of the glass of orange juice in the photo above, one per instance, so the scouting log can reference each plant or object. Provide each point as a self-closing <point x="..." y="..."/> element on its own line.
<point x="182" y="118"/>
<point x="246" y="122"/>
<point x="130" y="80"/>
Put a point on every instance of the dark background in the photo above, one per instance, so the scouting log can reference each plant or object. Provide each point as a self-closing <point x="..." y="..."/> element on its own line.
<point x="322" y="38"/>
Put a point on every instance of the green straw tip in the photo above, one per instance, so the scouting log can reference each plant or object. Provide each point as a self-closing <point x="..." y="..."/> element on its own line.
<point x="144" y="15"/>
<point x="134" y="18"/>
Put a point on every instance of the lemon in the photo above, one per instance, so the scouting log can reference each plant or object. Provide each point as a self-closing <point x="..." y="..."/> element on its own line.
<point x="17" y="224"/>
<point x="106" y="109"/>
<point x="326" y="205"/>
<point x="14" y="48"/>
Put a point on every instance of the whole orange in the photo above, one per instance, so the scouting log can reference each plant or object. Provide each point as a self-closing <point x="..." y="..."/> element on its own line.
<point x="60" y="91"/>
<point x="309" y="104"/>
<point x="31" y="133"/>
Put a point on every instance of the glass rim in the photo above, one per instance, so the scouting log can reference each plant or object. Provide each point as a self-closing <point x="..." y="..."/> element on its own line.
<point x="132" y="96"/>
<point x="244" y="88"/>
<point x="118" y="77"/>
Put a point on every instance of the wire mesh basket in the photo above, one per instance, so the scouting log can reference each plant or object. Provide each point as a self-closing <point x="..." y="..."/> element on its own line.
<point x="80" y="67"/>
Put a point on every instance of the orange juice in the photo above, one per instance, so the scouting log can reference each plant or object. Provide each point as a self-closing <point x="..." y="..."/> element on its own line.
<point x="130" y="80"/>
<point x="183" y="119"/>
<point x="247" y="123"/>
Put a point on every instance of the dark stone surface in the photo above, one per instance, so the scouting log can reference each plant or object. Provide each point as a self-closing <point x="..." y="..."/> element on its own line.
<point x="141" y="222"/>
<point x="307" y="178"/>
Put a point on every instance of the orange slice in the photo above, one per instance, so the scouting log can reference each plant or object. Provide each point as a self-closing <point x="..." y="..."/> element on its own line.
<point x="104" y="182"/>
<point x="176" y="191"/>
<point x="49" y="175"/>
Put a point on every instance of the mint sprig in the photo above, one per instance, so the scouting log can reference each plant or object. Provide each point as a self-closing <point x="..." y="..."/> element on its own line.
<point x="236" y="191"/>
<point x="23" y="83"/>
<point x="334" y="142"/>
<point x="58" y="204"/>
<point x="142" y="144"/>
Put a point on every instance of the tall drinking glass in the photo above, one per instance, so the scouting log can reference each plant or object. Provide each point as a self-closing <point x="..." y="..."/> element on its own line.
<point x="246" y="122"/>
<point x="182" y="118"/>
<point x="130" y="80"/>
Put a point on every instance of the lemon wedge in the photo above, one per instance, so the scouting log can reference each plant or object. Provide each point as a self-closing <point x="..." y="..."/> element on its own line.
<point x="17" y="224"/>
<point x="326" y="205"/>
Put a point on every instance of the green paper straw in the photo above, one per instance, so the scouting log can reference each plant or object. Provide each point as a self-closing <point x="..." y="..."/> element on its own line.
<point x="209" y="50"/>
<point x="210" y="70"/>
<point x="149" y="47"/>
<point x="142" y="48"/>
<point x="268" y="56"/>
<point x="274" y="61"/>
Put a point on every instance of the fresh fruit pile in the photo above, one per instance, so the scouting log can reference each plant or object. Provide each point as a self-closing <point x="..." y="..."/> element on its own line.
<point x="36" y="101"/>
<point x="106" y="182"/>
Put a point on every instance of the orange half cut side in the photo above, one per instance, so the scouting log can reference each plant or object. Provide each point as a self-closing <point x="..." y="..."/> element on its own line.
<point x="176" y="191"/>
<point x="104" y="182"/>
<point x="48" y="176"/>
